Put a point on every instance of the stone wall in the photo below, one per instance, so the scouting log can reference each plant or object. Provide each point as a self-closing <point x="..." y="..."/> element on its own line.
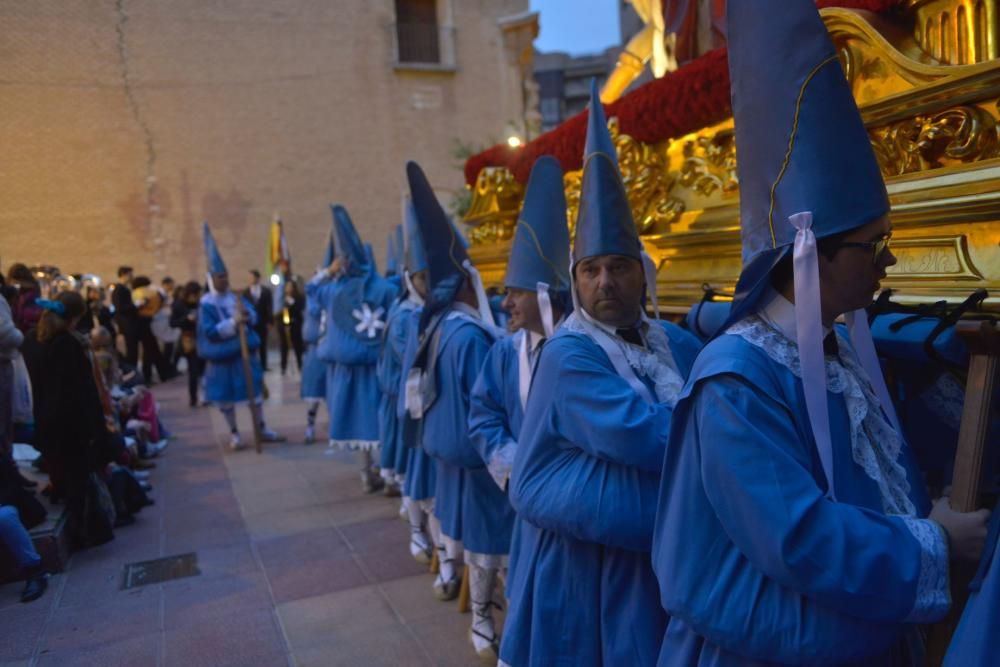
<point x="124" y="124"/>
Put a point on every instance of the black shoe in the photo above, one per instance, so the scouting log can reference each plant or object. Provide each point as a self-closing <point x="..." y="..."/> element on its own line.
<point x="35" y="587"/>
<point x="124" y="520"/>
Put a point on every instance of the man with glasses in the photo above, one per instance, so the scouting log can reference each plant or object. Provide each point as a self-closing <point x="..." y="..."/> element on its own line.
<point x="793" y="526"/>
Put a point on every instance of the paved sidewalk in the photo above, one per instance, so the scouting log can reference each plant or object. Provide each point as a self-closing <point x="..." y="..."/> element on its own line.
<point x="298" y="567"/>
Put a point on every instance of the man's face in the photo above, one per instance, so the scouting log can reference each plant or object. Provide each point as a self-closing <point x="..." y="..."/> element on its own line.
<point x="253" y="279"/>
<point x="610" y="288"/>
<point x="522" y="304"/>
<point x="168" y="286"/>
<point x="850" y="279"/>
<point x="419" y="280"/>
<point x="221" y="282"/>
<point x="125" y="278"/>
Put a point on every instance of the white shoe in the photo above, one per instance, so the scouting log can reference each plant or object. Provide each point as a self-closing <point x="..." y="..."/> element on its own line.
<point x="140" y="474"/>
<point x="310" y="435"/>
<point x="419" y="548"/>
<point x="235" y="443"/>
<point x="484" y="639"/>
<point x="267" y="435"/>
<point x="158" y="447"/>
<point x="483" y="634"/>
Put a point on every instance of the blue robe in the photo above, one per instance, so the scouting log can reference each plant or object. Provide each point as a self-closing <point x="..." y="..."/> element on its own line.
<point x="219" y="345"/>
<point x="387" y="372"/>
<point x="974" y="643"/>
<point x="755" y="564"/>
<point x="586" y="473"/>
<point x="355" y="307"/>
<point x="421" y="475"/>
<point x="472" y="509"/>
<point x="495" y="419"/>
<point x="313" y="386"/>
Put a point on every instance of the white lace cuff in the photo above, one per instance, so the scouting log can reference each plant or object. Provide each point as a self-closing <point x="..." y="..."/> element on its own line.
<point x="501" y="463"/>
<point x="933" y="594"/>
<point x="226" y="328"/>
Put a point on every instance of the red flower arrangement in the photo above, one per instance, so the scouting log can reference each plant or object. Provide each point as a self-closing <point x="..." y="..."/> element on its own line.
<point x="684" y="101"/>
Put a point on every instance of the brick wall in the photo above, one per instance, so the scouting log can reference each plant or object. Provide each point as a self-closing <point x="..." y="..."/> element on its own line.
<point x="225" y="110"/>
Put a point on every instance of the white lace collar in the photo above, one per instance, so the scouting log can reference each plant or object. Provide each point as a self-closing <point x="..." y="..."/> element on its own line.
<point x="875" y="445"/>
<point x="654" y="362"/>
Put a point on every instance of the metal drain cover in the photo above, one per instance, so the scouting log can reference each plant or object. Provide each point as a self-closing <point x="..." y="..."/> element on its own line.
<point x="159" y="570"/>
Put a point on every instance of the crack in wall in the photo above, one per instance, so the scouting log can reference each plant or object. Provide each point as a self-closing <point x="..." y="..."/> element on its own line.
<point x="152" y="224"/>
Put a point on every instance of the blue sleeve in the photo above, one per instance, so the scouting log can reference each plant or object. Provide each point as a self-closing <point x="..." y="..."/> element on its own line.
<point x="489" y="424"/>
<point x="318" y="290"/>
<point x="209" y="319"/>
<point x="598" y="411"/>
<point x="590" y="450"/>
<point x="757" y="477"/>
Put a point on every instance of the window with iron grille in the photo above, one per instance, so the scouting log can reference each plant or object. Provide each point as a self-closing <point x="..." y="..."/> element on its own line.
<point x="417" y="33"/>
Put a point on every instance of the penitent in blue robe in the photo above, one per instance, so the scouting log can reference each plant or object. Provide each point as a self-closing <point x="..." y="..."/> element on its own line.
<point x="495" y="418"/>
<point x="756" y="565"/>
<point x="355" y="307"/>
<point x="387" y="371"/>
<point x="421" y="476"/>
<point x="472" y="509"/>
<point x="586" y="474"/>
<point x="219" y="345"/>
<point x="313" y="386"/>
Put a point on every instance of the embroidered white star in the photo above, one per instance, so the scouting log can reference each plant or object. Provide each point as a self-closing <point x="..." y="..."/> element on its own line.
<point x="369" y="321"/>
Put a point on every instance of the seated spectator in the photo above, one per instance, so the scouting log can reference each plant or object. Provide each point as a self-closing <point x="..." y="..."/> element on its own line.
<point x="16" y="540"/>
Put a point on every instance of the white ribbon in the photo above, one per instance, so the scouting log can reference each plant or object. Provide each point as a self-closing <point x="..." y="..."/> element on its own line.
<point x="484" y="303"/>
<point x="545" y="308"/>
<point x="412" y="292"/>
<point x="523" y="366"/>
<point x="809" y="337"/>
<point x="649" y="269"/>
<point x="861" y="337"/>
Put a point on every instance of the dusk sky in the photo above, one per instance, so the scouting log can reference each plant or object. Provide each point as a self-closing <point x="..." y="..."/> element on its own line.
<point x="577" y="26"/>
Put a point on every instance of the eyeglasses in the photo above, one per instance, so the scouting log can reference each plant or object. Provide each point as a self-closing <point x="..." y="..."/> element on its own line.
<point x="878" y="246"/>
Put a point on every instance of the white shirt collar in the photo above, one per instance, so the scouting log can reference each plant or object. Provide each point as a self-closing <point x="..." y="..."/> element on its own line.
<point x="779" y="312"/>
<point x="463" y="307"/>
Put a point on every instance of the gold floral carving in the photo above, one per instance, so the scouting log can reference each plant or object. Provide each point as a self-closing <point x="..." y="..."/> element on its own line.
<point x="648" y="182"/>
<point x="496" y="200"/>
<point x="709" y="164"/>
<point x="925" y="142"/>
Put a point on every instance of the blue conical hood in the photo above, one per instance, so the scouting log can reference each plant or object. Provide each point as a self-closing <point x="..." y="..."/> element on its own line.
<point x="598" y="137"/>
<point x="212" y="255"/>
<point x="443" y="244"/>
<point x="801" y="143"/>
<point x="540" y="250"/>
<point x="349" y="243"/>
<point x="604" y="224"/>
<point x="331" y="249"/>
<point x="370" y="257"/>
<point x="416" y="257"/>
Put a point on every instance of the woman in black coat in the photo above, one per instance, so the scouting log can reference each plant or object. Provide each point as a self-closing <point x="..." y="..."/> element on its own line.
<point x="69" y="420"/>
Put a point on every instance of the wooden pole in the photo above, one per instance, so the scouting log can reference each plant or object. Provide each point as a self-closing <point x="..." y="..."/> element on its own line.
<point x="241" y="327"/>
<point x="983" y="340"/>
